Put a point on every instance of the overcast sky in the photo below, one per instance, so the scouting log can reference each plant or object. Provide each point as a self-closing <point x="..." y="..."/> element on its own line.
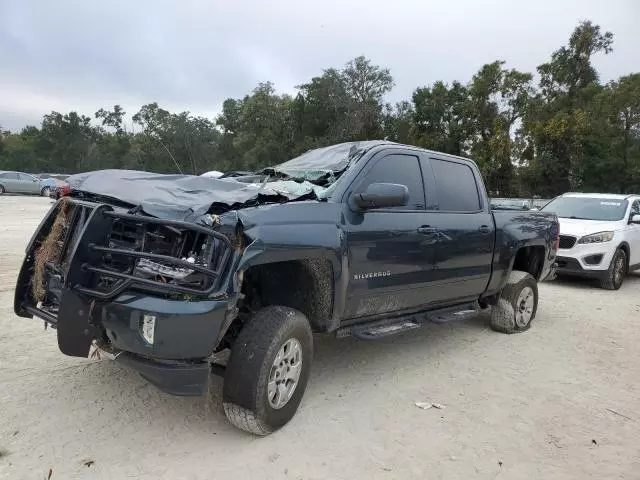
<point x="190" y="55"/>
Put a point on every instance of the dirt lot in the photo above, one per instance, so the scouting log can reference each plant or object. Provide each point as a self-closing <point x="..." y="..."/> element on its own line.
<point x="539" y="405"/>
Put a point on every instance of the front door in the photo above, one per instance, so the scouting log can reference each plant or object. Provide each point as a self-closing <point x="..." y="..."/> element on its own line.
<point x="28" y="183"/>
<point x="391" y="251"/>
<point x="633" y="235"/>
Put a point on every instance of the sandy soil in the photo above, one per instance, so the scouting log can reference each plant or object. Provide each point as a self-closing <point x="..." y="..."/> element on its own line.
<point x="531" y="406"/>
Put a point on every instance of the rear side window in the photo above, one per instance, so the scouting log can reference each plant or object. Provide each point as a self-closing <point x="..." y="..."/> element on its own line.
<point x="456" y="186"/>
<point x="400" y="169"/>
<point x="10" y="176"/>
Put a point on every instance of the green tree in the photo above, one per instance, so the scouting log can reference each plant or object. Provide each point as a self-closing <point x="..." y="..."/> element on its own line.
<point x="558" y="119"/>
<point x="441" y="117"/>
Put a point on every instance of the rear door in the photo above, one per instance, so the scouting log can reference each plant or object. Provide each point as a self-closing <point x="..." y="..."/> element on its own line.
<point x="466" y="231"/>
<point x="390" y="251"/>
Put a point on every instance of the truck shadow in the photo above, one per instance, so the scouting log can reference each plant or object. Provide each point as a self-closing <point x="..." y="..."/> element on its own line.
<point x="107" y="394"/>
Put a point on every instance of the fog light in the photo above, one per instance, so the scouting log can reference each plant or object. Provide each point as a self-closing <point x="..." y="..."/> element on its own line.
<point x="148" y="327"/>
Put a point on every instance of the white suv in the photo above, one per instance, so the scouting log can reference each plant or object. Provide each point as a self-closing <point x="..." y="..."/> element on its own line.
<point x="599" y="236"/>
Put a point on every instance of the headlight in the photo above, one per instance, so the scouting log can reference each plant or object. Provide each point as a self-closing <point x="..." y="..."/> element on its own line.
<point x="597" y="238"/>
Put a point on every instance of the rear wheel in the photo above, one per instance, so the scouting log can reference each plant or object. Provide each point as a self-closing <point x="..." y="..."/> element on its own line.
<point x="268" y="370"/>
<point x="617" y="271"/>
<point x="2" y="190"/>
<point x="517" y="305"/>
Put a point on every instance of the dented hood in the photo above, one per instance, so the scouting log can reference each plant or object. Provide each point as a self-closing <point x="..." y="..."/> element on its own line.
<point x="184" y="197"/>
<point x="190" y="198"/>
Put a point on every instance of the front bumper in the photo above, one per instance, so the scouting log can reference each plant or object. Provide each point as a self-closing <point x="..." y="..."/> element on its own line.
<point x="183" y="330"/>
<point x="588" y="260"/>
<point x="188" y="327"/>
<point x="183" y="379"/>
<point x="185" y="335"/>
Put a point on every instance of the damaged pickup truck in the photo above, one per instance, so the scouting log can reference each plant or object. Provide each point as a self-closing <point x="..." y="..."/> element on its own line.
<point x="167" y="274"/>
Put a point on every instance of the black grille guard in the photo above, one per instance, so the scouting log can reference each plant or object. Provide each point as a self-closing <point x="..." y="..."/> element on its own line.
<point x="85" y="244"/>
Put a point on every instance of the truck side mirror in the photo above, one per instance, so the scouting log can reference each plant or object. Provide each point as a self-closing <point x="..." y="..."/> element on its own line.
<point x="380" y="195"/>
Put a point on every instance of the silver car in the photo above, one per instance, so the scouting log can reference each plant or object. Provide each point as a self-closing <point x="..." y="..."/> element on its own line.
<point x="18" y="182"/>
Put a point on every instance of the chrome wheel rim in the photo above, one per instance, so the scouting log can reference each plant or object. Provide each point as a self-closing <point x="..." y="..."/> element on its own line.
<point x="46" y="192"/>
<point x="524" y="307"/>
<point x="285" y="374"/>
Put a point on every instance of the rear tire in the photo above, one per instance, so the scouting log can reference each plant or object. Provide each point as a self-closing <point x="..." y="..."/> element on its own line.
<point x="268" y="370"/>
<point x="517" y="305"/>
<point x="2" y="190"/>
<point x="616" y="272"/>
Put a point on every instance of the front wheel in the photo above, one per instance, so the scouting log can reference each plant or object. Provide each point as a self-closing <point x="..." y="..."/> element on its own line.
<point x="268" y="370"/>
<point x="45" y="192"/>
<point x="517" y="305"/>
<point x="616" y="272"/>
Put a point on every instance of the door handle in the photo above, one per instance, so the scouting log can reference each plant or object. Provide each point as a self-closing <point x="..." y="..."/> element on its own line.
<point x="484" y="229"/>
<point x="427" y="230"/>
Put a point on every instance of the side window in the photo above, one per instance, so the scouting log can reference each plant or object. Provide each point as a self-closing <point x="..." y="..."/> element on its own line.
<point x="635" y="208"/>
<point x="25" y="177"/>
<point x="455" y="186"/>
<point x="11" y="176"/>
<point x="400" y="169"/>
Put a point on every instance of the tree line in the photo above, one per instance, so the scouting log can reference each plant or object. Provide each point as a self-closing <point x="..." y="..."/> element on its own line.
<point x="558" y="130"/>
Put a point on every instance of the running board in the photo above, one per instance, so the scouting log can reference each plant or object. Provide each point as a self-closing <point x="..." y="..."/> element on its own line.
<point x="392" y="326"/>
<point x="453" y="314"/>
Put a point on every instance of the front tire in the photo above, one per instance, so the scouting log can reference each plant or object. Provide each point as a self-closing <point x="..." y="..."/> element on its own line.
<point x="45" y="192"/>
<point x="616" y="272"/>
<point x="517" y="305"/>
<point x="268" y="370"/>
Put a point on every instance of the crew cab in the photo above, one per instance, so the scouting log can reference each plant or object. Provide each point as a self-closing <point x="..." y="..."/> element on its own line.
<point x="599" y="236"/>
<point x="168" y="273"/>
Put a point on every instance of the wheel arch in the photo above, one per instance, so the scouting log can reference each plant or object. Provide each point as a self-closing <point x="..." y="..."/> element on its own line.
<point x="306" y="284"/>
<point x="627" y="250"/>
<point x="530" y="259"/>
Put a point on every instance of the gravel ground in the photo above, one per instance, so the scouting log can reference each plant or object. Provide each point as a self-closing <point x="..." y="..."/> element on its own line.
<point x="538" y="405"/>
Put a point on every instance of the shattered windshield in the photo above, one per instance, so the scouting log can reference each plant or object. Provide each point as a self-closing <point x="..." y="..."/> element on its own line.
<point x="322" y="166"/>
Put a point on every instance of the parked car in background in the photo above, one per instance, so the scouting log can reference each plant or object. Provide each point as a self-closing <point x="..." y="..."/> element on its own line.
<point x="52" y="182"/>
<point x="25" y="183"/>
<point x="599" y="236"/>
<point x="510" y="204"/>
